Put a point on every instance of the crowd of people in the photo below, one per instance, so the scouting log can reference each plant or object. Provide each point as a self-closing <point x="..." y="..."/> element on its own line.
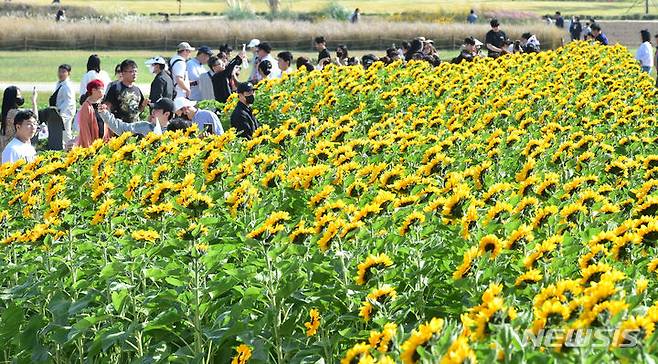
<point x="112" y="106"/>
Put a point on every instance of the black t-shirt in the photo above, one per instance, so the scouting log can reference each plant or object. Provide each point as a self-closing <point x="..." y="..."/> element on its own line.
<point x="125" y="101"/>
<point x="497" y="39"/>
<point x="323" y="54"/>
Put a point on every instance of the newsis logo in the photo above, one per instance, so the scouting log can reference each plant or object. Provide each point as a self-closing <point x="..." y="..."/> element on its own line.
<point x="581" y="338"/>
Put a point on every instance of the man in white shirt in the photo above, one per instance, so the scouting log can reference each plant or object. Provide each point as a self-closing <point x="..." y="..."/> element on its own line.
<point x="20" y="146"/>
<point x="195" y="69"/>
<point x="178" y="67"/>
<point x="64" y="100"/>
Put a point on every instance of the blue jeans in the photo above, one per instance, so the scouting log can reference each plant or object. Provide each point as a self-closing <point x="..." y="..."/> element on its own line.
<point x="646" y="69"/>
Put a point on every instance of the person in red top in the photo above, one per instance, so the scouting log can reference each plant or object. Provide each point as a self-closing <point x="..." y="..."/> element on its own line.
<point x="91" y="126"/>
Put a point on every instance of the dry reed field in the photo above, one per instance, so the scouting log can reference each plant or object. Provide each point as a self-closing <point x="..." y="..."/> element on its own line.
<point x="44" y="34"/>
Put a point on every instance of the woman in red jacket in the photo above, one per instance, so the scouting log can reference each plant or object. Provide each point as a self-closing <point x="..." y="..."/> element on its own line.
<point x="91" y="126"/>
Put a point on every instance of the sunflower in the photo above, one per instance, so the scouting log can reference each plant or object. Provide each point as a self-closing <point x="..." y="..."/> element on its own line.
<point x="414" y="217"/>
<point x="490" y="244"/>
<point x="648" y="208"/>
<point x="377" y="297"/>
<point x="243" y="354"/>
<point x="154" y="211"/>
<point x="313" y="325"/>
<point x="467" y="263"/>
<point x="102" y="212"/>
<point x="550" y="313"/>
<point x="531" y="276"/>
<point x="134" y="182"/>
<point x="380" y="261"/>
<point x="595" y="254"/>
<point x="270" y="225"/>
<point x="570" y="213"/>
<point x="145" y="235"/>
<point x="459" y="352"/>
<point x="648" y="234"/>
<point x="382" y="340"/>
<point x="357" y="354"/>
<point x="453" y="205"/>
<point x="522" y="234"/>
<point x="419" y="337"/>
<point x="639" y="327"/>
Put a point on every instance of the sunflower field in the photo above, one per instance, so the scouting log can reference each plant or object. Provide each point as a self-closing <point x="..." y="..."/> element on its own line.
<point x="400" y="214"/>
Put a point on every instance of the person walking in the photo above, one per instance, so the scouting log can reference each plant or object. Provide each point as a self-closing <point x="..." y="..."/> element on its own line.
<point x="472" y="18"/>
<point x="178" y="68"/>
<point x="205" y="80"/>
<point x="356" y="16"/>
<point x="644" y="53"/>
<point x="559" y="20"/>
<point x="195" y="68"/>
<point x="575" y="29"/>
<point x="64" y="100"/>
<point x="163" y="83"/>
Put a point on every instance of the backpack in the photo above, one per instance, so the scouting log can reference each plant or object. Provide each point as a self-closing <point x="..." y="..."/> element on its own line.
<point x="171" y="74"/>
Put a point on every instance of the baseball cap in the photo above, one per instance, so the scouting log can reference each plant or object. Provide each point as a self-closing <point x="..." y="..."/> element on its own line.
<point x="205" y="50"/>
<point x="164" y="104"/>
<point x="245" y="87"/>
<point x="155" y="60"/>
<point x="182" y="102"/>
<point x="494" y="23"/>
<point x="253" y="43"/>
<point x="185" y="46"/>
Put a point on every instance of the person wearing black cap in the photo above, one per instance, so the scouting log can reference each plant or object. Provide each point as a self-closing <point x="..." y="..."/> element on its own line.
<point x="161" y="112"/>
<point x="495" y="40"/>
<point x="195" y="69"/>
<point x="468" y="51"/>
<point x="243" y="119"/>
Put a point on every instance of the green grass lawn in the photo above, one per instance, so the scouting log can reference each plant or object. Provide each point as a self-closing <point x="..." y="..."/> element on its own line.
<point x="41" y="66"/>
<point x="611" y="8"/>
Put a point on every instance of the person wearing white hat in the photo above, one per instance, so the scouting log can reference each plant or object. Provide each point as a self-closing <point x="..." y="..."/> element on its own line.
<point x="163" y="84"/>
<point x="253" y="47"/>
<point x="206" y="120"/>
<point x="178" y="67"/>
